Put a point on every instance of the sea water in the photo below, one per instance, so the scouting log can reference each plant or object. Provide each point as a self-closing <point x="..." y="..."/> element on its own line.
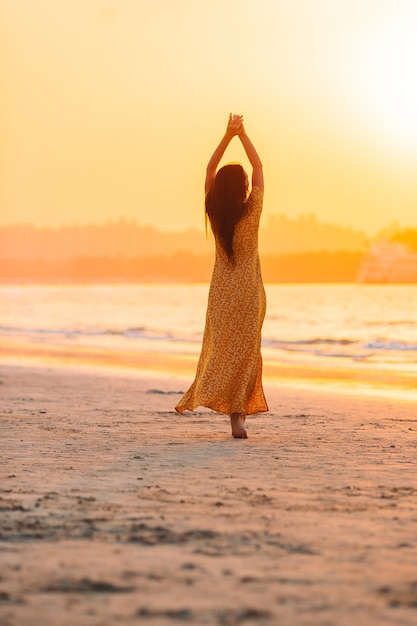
<point x="314" y="323"/>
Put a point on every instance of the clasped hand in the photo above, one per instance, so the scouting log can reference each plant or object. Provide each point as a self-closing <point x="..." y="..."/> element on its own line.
<point x="235" y="124"/>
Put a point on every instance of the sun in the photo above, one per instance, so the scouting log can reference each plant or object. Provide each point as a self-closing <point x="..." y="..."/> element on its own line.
<point x="389" y="82"/>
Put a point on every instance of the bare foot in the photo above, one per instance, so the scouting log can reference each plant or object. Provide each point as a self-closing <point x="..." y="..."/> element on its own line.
<point x="237" y="422"/>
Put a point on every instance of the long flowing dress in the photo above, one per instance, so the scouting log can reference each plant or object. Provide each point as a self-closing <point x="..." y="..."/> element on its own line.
<point x="229" y="371"/>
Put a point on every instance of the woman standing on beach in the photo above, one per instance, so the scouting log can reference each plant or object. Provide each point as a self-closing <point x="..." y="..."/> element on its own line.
<point x="229" y="371"/>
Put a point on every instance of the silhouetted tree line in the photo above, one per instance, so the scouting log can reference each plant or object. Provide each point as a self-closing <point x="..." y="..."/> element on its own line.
<point x="278" y="234"/>
<point x="306" y="267"/>
<point x="407" y="236"/>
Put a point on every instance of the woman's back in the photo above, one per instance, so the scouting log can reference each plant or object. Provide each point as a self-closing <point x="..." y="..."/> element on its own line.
<point x="245" y="243"/>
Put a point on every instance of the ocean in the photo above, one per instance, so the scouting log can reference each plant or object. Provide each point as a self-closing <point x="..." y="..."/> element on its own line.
<point x="316" y="325"/>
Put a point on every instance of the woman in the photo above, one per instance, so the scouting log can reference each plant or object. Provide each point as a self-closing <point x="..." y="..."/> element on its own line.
<point x="229" y="371"/>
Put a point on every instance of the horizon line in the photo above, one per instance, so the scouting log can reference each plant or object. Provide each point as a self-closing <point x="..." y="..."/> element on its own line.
<point x="301" y="217"/>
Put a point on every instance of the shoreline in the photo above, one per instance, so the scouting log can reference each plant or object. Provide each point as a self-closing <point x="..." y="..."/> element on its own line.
<point x="359" y="379"/>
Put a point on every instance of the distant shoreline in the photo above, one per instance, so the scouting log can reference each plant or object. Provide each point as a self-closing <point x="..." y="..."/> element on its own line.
<point x="306" y="267"/>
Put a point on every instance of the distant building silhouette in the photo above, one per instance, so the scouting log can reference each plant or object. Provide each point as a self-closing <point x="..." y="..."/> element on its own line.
<point x="388" y="262"/>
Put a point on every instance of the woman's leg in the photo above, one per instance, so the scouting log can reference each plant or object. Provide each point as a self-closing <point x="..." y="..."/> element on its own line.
<point x="237" y="422"/>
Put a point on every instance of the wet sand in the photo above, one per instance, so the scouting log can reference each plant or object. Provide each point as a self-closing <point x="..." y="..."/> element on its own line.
<point x="116" y="510"/>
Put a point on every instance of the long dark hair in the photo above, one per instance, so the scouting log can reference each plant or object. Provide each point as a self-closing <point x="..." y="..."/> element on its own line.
<point x="226" y="204"/>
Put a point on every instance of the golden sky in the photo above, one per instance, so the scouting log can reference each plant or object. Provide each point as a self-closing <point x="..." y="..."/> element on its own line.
<point x="112" y="108"/>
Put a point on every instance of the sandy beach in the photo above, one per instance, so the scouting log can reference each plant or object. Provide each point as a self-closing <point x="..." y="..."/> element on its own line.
<point x="116" y="510"/>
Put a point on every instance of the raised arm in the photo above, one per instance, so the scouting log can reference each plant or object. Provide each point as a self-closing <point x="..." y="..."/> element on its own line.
<point x="234" y="126"/>
<point x="255" y="161"/>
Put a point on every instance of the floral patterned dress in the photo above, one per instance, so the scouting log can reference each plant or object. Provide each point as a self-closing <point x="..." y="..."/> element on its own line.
<point x="229" y="371"/>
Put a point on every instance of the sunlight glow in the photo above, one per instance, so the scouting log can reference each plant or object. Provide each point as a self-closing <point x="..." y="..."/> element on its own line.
<point x="111" y="108"/>
<point x="391" y="83"/>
